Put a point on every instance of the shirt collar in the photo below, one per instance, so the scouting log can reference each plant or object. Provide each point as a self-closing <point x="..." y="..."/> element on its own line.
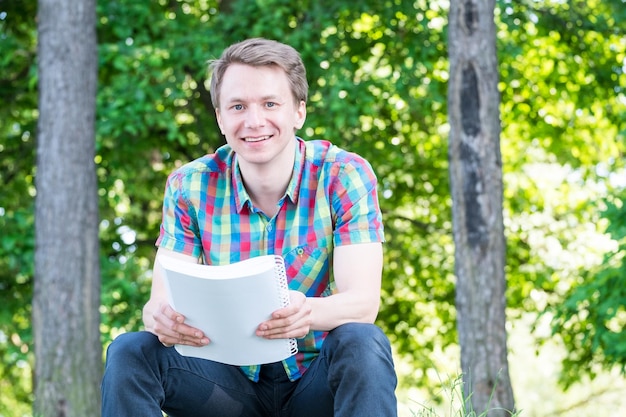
<point x="242" y="198"/>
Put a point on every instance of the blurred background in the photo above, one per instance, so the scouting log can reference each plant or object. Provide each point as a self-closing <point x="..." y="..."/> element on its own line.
<point x="378" y="75"/>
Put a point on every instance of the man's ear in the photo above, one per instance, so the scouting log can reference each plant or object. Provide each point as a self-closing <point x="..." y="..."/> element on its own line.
<point x="300" y="115"/>
<point x="219" y="120"/>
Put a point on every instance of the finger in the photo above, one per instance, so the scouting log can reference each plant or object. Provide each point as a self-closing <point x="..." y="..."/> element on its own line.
<point x="187" y="335"/>
<point x="296" y="326"/>
<point x="296" y="333"/>
<point x="164" y="326"/>
<point x="298" y="308"/>
<point x="181" y="339"/>
<point x="171" y="329"/>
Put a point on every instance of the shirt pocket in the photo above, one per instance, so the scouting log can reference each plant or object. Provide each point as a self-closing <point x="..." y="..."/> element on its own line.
<point x="307" y="271"/>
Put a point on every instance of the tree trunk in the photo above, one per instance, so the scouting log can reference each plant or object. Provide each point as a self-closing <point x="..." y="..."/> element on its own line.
<point x="66" y="300"/>
<point x="476" y="185"/>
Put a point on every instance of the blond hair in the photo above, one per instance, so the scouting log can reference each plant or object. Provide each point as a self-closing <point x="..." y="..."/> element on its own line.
<point x="259" y="52"/>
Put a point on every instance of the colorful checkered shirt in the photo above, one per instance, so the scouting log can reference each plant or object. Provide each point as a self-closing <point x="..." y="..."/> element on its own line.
<point x="330" y="201"/>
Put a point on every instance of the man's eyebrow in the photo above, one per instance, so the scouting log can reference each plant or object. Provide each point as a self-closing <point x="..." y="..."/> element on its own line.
<point x="271" y="97"/>
<point x="235" y="99"/>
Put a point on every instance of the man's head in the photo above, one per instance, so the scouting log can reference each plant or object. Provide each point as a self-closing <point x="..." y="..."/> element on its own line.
<point x="259" y="52"/>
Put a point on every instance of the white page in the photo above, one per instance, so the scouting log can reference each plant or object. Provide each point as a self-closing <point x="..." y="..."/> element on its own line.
<point x="229" y="307"/>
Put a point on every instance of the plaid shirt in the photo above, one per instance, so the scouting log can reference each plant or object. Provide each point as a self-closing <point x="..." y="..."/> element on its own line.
<point x="331" y="200"/>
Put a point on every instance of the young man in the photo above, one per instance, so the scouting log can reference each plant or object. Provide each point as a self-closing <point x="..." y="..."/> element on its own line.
<point x="267" y="192"/>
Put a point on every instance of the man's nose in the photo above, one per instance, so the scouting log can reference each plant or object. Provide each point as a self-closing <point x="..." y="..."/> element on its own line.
<point x="254" y="117"/>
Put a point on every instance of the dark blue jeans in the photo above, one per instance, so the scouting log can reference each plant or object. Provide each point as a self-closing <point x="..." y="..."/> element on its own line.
<point x="353" y="376"/>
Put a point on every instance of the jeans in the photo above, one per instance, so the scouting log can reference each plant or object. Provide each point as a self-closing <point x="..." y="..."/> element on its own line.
<point x="352" y="376"/>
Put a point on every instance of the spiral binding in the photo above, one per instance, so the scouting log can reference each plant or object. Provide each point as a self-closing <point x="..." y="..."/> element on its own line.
<point x="283" y="290"/>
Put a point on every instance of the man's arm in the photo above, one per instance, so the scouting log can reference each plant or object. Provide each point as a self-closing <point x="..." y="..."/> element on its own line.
<point x="159" y="317"/>
<point x="358" y="274"/>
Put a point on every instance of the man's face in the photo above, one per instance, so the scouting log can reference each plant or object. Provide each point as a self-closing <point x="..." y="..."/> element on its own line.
<point x="257" y="113"/>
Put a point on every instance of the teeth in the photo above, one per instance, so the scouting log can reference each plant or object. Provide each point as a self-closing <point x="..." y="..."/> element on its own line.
<point x="259" y="139"/>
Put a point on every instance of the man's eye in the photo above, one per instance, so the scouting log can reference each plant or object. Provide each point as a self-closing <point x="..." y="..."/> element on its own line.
<point x="270" y="104"/>
<point x="238" y="107"/>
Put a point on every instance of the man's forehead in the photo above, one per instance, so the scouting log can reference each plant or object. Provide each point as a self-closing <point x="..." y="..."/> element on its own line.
<point x="260" y="83"/>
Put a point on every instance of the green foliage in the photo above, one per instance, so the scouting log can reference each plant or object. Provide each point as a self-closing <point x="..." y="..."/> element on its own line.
<point x="565" y="72"/>
<point x="564" y="140"/>
<point x="18" y="117"/>
<point x="378" y="75"/>
<point x="592" y="318"/>
<point x="564" y="131"/>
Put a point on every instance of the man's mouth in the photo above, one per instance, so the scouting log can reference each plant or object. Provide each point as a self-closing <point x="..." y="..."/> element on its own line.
<point x="256" y="139"/>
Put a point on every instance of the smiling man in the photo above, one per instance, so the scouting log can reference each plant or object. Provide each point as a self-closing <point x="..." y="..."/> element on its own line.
<point x="267" y="191"/>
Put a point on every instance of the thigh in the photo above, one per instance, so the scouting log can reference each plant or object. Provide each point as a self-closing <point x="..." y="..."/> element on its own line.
<point x="352" y="376"/>
<point x="184" y="386"/>
<point x="197" y="387"/>
<point x="312" y="397"/>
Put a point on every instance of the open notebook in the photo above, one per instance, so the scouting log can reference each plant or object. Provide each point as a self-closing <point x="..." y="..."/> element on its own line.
<point x="228" y="302"/>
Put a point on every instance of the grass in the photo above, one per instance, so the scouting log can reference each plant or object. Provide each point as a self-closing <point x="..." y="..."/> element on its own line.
<point x="456" y="405"/>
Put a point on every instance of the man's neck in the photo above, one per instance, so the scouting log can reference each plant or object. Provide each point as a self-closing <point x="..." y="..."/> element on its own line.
<point x="267" y="184"/>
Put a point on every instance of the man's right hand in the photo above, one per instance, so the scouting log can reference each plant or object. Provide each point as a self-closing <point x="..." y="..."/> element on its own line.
<point x="161" y="319"/>
<point x="169" y="326"/>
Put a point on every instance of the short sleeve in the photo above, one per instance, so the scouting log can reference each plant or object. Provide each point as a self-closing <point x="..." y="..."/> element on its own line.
<point x="355" y="203"/>
<point x="179" y="226"/>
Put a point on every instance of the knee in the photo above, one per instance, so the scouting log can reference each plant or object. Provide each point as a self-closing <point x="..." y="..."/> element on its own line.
<point x="130" y="348"/>
<point x="132" y="341"/>
<point x="361" y="340"/>
<point x="359" y="351"/>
